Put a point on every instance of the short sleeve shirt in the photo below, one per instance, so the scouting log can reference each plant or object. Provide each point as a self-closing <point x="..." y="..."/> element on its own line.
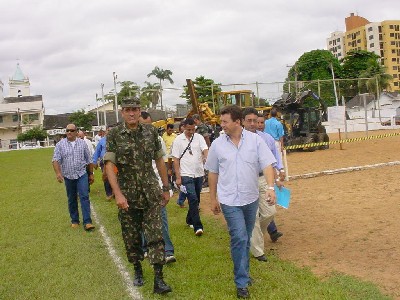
<point x="132" y="151"/>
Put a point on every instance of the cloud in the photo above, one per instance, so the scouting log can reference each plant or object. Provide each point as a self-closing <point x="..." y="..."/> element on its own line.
<point x="67" y="48"/>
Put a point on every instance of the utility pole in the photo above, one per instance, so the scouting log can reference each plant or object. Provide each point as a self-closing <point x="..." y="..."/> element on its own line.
<point x="334" y="85"/>
<point x="115" y="99"/>
<point x="104" y="106"/>
<point x="97" y="111"/>
<point x="295" y="78"/>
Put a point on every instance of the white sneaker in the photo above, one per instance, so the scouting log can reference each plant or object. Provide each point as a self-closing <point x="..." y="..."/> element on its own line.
<point x="199" y="232"/>
<point x="170" y="259"/>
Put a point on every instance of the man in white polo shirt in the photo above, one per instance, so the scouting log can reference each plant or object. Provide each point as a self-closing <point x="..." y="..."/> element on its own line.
<point x="190" y="152"/>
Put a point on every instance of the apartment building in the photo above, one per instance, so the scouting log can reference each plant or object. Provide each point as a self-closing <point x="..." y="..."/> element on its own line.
<point x="382" y="38"/>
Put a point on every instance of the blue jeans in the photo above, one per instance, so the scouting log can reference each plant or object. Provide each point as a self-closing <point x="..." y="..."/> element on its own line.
<point x="272" y="227"/>
<point x="193" y="187"/>
<point x="74" y="188"/>
<point x="240" y="220"/>
<point x="181" y="198"/>
<point x="107" y="186"/>
<point x="169" y="247"/>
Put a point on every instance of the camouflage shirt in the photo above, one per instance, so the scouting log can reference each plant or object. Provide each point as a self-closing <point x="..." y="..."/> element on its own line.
<point x="132" y="151"/>
<point x="202" y="129"/>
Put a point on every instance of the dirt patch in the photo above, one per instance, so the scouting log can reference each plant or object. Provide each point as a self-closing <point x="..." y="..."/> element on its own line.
<point x="348" y="223"/>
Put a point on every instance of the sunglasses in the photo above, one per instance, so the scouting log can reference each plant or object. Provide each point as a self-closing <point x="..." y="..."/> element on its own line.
<point x="70" y="130"/>
<point x="190" y="150"/>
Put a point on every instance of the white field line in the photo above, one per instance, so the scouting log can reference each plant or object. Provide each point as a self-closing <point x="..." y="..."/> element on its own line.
<point x="131" y="289"/>
<point x="343" y="170"/>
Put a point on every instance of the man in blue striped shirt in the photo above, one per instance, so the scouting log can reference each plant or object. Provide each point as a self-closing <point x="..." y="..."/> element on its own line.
<point x="234" y="162"/>
<point x="72" y="164"/>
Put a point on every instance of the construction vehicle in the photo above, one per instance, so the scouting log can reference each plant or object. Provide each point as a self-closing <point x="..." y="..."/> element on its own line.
<point x="241" y="98"/>
<point x="303" y="124"/>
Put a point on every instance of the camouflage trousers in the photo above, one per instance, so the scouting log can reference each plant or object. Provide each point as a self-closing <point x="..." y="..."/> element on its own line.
<point x="133" y="223"/>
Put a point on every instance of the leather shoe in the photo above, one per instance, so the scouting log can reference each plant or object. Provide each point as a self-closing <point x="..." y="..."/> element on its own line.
<point x="261" y="258"/>
<point x="243" y="293"/>
<point x="89" y="227"/>
<point x="275" y="236"/>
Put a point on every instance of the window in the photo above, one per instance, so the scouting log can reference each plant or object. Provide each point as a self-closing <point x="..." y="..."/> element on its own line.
<point x="359" y="41"/>
<point x="391" y="26"/>
<point x="380" y="29"/>
<point x="396" y="83"/>
<point x="393" y="58"/>
<point x="394" y="67"/>
<point x="15" y="118"/>
<point x="339" y="47"/>
<point x="338" y="40"/>
<point x="370" y="37"/>
<point x="369" y="28"/>
<point x="394" y="75"/>
<point x="330" y="42"/>
<point x="1" y="119"/>
<point x="34" y="117"/>
<point x="380" y="37"/>
<point x="391" y="34"/>
<point x="371" y="45"/>
<point x="392" y="43"/>
<point x="393" y="51"/>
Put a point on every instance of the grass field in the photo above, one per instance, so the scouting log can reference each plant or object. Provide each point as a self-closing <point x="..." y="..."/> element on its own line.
<point x="43" y="258"/>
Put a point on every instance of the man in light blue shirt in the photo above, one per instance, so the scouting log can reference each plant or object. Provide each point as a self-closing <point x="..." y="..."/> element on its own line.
<point x="234" y="162"/>
<point x="98" y="155"/>
<point x="275" y="128"/>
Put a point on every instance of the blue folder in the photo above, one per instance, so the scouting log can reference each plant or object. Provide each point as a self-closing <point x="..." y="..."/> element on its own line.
<point x="282" y="196"/>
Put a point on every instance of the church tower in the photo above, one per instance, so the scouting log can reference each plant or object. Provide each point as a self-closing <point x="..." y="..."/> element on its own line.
<point x="1" y="91"/>
<point x="19" y="84"/>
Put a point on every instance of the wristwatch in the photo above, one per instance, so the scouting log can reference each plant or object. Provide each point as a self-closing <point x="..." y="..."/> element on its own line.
<point x="271" y="188"/>
<point x="165" y="188"/>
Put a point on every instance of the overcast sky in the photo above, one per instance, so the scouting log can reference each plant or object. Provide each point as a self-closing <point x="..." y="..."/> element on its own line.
<point x="67" y="48"/>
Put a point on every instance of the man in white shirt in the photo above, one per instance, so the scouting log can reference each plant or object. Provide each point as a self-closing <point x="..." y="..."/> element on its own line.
<point x="190" y="152"/>
<point x="82" y="135"/>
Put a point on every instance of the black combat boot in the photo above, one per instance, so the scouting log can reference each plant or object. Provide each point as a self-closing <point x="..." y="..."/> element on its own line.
<point x="160" y="287"/>
<point x="138" y="281"/>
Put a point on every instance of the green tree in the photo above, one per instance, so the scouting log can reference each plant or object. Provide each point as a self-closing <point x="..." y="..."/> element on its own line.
<point x="161" y="75"/>
<point x="363" y="64"/>
<point x="311" y="67"/>
<point x="357" y="61"/>
<point x="128" y="89"/>
<point x="150" y="95"/>
<point x="35" y="133"/>
<point x="202" y="87"/>
<point x="82" y="119"/>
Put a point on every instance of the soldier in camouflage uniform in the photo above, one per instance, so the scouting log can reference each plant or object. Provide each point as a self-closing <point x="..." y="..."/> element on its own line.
<point x="202" y="129"/>
<point x="131" y="147"/>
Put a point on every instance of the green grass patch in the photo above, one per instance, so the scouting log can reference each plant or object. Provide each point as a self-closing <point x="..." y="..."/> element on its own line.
<point x="43" y="258"/>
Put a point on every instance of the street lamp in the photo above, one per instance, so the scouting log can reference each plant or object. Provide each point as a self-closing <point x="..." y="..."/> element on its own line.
<point x="115" y="91"/>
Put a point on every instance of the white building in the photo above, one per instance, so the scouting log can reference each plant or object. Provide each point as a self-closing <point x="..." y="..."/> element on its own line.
<point x="336" y="44"/>
<point x="19" y="112"/>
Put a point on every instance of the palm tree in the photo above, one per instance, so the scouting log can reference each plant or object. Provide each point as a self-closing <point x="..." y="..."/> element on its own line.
<point x="379" y="79"/>
<point x="161" y="75"/>
<point x="150" y="94"/>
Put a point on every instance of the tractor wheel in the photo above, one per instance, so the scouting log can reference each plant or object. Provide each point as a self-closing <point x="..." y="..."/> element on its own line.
<point x="309" y="140"/>
<point x="323" y="137"/>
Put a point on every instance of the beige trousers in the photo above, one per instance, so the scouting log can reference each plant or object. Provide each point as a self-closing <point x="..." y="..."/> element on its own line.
<point x="265" y="214"/>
